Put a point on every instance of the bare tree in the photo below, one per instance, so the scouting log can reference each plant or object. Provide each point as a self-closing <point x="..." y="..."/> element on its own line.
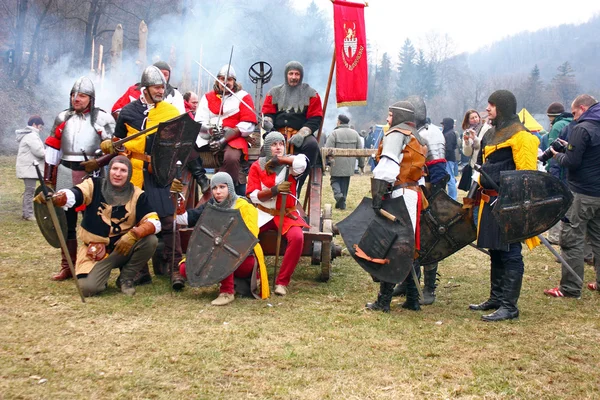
<point x="34" y="40"/>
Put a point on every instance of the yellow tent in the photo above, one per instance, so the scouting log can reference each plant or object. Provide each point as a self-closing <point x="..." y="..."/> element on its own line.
<point x="529" y="122"/>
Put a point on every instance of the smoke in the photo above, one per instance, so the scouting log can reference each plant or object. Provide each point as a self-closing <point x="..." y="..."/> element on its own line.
<point x="260" y="30"/>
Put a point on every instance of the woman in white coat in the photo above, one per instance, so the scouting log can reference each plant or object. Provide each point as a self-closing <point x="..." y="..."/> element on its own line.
<point x="31" y="148"/>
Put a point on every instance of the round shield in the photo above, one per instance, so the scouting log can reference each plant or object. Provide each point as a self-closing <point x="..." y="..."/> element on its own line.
<point x="44" y="221"/>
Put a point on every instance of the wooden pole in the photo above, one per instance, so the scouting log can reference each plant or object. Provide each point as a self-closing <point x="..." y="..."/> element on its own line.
<point x="331" y="69"/>
<point x="100" y="55"/>
<point x="142" y="45"/>
<point x="116" y="49"/>
<point x="92" y="62"/>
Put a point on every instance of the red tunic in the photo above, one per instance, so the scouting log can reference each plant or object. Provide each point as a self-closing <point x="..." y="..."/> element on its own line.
<point x="234" y="112"/>
<point x="132" y="94"/>
<point x="258" y="179"/>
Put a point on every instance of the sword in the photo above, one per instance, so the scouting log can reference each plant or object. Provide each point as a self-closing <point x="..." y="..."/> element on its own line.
<point x="59" y="233"/>
<point x="224" y="86"/>
<point x="226" y="79"/>
<point x="280" y="229"/>
<point x="545" y="242"/>
<point x="117" y="144"/>
<point x="176" y="197"/>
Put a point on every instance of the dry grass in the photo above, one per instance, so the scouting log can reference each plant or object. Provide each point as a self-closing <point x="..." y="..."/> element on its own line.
<point x="317" y="343"/>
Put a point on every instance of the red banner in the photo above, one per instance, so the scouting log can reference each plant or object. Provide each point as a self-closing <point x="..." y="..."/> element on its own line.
<point x="351" y="73"/>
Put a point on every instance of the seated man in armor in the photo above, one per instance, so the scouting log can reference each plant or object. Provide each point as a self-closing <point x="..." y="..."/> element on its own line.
<point x="294" y="109"/>
<point x="253" y="269"/>
<point x="231" y="111"/>
<point x="118" y="227"/>
<point x="267" y="180"/>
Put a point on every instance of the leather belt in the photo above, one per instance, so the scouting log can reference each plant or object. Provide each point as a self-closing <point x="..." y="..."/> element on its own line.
<point x="74" y="165"/>
<point x="486" y="194"/>
<point x="275" y="213"/>
<point x="141" y="156"/>
<point x="404" y="185"/>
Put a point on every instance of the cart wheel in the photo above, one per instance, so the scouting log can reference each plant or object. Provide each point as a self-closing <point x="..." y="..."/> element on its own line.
<point x="327" y="211"/>
<point x="326" y="261"/>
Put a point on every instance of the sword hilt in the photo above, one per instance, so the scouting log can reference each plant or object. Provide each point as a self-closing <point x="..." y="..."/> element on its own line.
<point x="487" y="177"/>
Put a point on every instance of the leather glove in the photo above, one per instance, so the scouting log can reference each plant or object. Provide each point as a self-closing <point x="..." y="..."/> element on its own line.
<point x="90" y="165"/>
<point x="378" y="190"/>
<point x="267" y="124"/>
<point x="107" y="147"/>
<point x="298" y="138"/>
<point x="40" y="198"/>
<point x="176" y="186"/>
<point x="217" y="145"/>
<point x="284" y="186"/>
<point x="124" y="245"/>
<point x="58" y="199"/>
<point x="273" y="163"/>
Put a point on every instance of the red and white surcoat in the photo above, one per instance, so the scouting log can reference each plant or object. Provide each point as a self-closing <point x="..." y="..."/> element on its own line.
<point x="259" y="179"/>
<point x="234" y="114"/>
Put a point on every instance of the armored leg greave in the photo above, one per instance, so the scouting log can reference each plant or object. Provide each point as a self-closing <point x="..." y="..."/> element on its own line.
<point x="430" y="278"/>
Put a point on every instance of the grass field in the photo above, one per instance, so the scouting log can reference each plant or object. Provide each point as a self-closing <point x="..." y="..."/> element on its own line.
<point x="316" y="343"/>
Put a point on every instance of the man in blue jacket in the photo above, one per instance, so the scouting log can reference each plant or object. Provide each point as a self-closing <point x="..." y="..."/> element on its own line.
<point x="583" y="176"/>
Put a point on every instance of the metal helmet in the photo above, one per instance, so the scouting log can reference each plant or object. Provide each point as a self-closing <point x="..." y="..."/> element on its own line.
<point x="293" y="65"/>
<point x="420" y="110"/>
<point x="224" y="71"/>
<point x="84" y="85"/>
<point x="152" y="76"/>
<point x="402" y="111"/>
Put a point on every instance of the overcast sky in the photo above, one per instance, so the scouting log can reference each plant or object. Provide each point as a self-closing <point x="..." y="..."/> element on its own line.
<point x="471" y="25"/>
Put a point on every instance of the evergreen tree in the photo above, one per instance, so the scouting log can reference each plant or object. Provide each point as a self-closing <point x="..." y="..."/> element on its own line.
<point x="406" y="84"/>
<point x="425" y="77"/>
<point x="382" y="95"/>
<point x="564" y="84"/>
<point x="533" y="92"/>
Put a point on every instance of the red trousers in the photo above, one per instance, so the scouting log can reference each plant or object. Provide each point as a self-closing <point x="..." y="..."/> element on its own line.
<point x="227" y="284"/>
<point x="293" y="251"/>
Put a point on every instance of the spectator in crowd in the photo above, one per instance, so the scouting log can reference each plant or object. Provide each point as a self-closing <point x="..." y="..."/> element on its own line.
<point x="451" y="146"/>
<point x="31" y="148"/>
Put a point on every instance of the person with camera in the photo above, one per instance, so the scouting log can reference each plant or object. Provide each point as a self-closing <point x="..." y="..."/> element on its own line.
<point x="559" y="119"/>
<point x="580" y="158"/>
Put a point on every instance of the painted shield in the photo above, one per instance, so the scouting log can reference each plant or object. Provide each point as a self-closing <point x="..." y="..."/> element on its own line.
<point x="380" y="238"/>
<point x="529" y="203"/>
<point x="445" y="228"/>
<point x="174" y="140"/>
<point x="44" y="221"/>
<point x="219" y="243"/>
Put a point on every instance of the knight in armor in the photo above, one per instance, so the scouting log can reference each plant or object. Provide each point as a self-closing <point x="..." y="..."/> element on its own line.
<point x="227" y="113"/>
<point x="171" y="96"/>
<point x="146" y="112"/>
<point x="399" y="172"/>
<point x="436" y="178"/>
<point x="294" y="109"/>
<point x="253" y="268"/>
<point x="507" y="146"/>
<point x="117" y="230"/>
<point x="77" y="133"/>
<point x="269" y="177"/>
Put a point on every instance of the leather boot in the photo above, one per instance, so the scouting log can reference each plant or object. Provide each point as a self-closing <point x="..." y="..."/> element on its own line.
<point x="400" y="290"/>
<point x="65" y="271"/>
<point x="384" y="298"/>
<point x="493" y="303"/>
<point x="429" y="281"/>
<point x="511" y="290"/>
<point x="412" y="295"/>
<point x="143" y="277"/>
<point x="199" y="173"/>
<point x="177" y="281"/>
